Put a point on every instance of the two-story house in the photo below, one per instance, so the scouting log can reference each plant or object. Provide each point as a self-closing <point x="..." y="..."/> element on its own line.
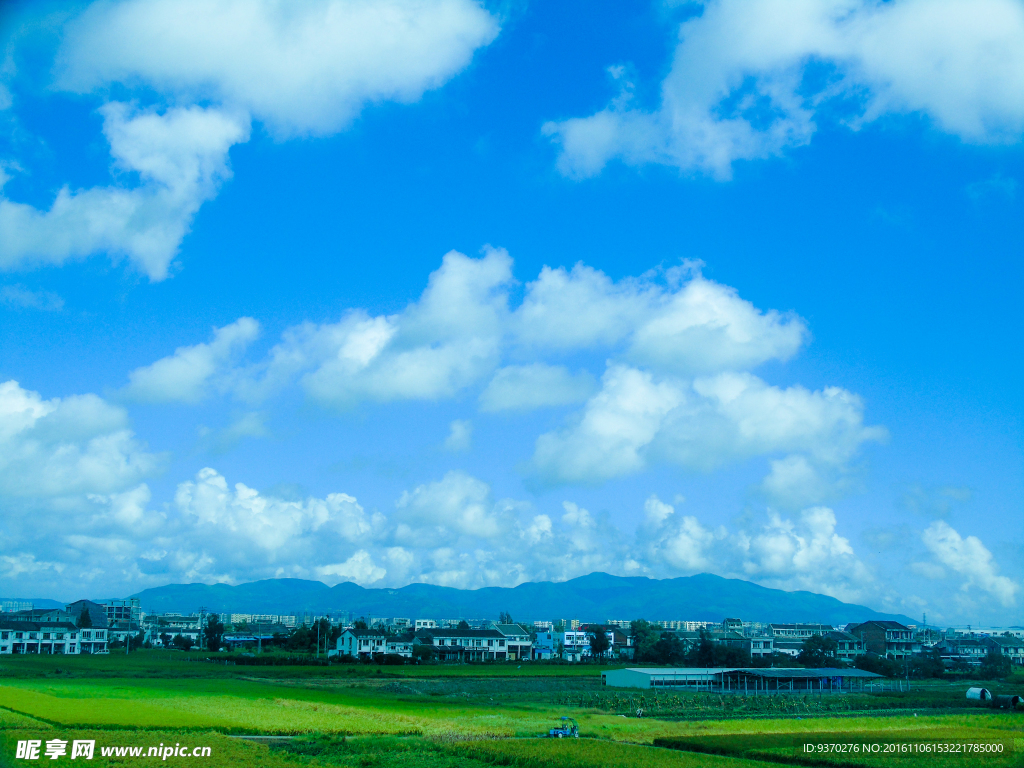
<point x="517" y="641"/>
<point x="465" y="644"/>
<point x="360" y="643"/>
<point x="797" y="632"/>
<point x="848" y="646"/>
<point x="958" y="651"/>
<point x="886" y="638"/>
<point x="1011" y="647"/>
<point x="400" y="645"/>
<point x="40" y="637"/>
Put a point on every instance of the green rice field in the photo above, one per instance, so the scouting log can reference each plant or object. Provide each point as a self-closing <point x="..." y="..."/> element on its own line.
<point x="474" y="715"/>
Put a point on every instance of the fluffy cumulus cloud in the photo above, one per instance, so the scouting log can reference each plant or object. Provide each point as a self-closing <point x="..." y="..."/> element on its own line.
<point x="969" y="559"/>
<point x="180" y="157"/>
<point x="676" y="349"/>
<point x="638" y="418"/>
<point x="451" y="531"/>
<point x="298" y="68"/>
<point x="800" y="552"/>
<point x="684" y="324"/>
<point x="806" y="553"/>
<point x="66" y="447"/>
<point x="71" y="487"/>
<point x="436" y="347"/>
<point x="301" y="68"/>
<point x="187" y="375"/>
<point x="752" y="78"/>
<point x="663" y="376"/>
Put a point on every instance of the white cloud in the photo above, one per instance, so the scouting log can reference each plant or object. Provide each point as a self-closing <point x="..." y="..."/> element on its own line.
<point x="681" y="542"/>
<point x="302" y="68"/>
<point x="436" y="347"/>
<point x="449" y="532"/>
<point x="637" y="419"/>
<point x="795" y="482"/>
<point x="20" y="296"/>
<point x="78" y="445"/>
<point x="704" y="327"/>
<point x="610" y="436"/>
<point x="972" y="560"/>
<point x="807" y="554"/>
<point x="456" y="506"/>
<point x="751" y="78"/>
<point x="460" y="436"/>
<point x="688" y="325"/>
<point x="186" y="375"/>
<point x="537" y="385"/>
<point x="359" y="568"/>
<point x="243" y="515"/>
<point x="180" y="158"/>
<point x="675" y="388"/>
<point x="580" y="309"/>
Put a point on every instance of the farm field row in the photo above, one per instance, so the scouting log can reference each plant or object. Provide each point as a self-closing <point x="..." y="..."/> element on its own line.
<point x="154" y="663"/>
<point x="469" y="721"/>
<point x="240" y="706"/>
<point x="753" y="750"/>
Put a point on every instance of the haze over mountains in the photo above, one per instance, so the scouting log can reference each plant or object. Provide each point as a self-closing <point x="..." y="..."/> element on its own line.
<point x="596" y="597"/>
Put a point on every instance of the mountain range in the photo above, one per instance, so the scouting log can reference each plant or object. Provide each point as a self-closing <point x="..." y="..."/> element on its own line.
<point x="596" y="597"/>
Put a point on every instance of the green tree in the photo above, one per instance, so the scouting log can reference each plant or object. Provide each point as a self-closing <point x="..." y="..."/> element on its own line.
<point x="645" y="636"/>
<point x="84" y="619"/>
<point x="818" y="651"/>
<point x="872" y="662"/>
<point x="182" y="642"/>
<point x="463" y="624"/>
<point x="359" y="623"/>
<point x="669" y="650"/>
<point x="423" y="651"/>
<point x="299" y="640"/>
<point x="927" y="664"/>
<point x="505" y="618"/>
<point x="213" y="632"/>
<point x="995" y="667"/>
<point x="599" y="642"/>
<point x="704" y="651"/>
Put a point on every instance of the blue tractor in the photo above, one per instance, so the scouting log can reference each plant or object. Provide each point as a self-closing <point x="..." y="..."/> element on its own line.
<point x="568" y="729"/>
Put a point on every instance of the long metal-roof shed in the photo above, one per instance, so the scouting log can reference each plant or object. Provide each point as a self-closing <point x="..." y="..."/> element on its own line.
<point x="738" y="679"/>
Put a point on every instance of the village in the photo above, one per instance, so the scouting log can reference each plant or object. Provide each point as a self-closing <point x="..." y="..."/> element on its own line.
<point x="879" y="646"/>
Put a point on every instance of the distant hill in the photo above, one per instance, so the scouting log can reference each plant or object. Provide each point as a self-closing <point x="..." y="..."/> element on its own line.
<point x="596" y="597"/>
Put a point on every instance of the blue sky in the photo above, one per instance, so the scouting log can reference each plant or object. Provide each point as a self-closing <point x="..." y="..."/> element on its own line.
<point x="478" y="295"/>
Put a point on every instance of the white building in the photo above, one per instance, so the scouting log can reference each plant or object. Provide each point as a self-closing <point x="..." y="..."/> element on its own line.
<point x="573" y="645"/>
<point x="517" y="640"/>
<point x="399" y="645"/>
<point x="50" y="637"/>
<point x="360" y="643"/>
<point x="425" y="624"/>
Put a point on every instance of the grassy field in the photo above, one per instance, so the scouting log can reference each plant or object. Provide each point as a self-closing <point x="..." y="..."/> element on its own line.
<point x="464" y="716"/>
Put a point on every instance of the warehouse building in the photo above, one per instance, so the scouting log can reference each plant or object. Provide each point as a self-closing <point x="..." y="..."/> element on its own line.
<point x="739" y="680"/>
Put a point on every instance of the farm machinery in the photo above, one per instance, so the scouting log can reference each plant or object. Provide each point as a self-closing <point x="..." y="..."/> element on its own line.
<point x="569" y="729"/>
